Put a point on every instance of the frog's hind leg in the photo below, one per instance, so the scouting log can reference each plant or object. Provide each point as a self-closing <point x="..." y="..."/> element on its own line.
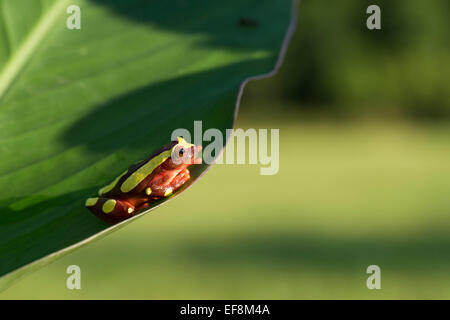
<point x="158" y="191"/>
<point x="109" y="209"/>
<point x="143" y="206"/>
<point x="180" y="179"/>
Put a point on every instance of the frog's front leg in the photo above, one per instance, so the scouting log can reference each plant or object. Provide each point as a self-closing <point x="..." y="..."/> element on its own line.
<point x="110" y="208"/>
<point x="156" y="190"/>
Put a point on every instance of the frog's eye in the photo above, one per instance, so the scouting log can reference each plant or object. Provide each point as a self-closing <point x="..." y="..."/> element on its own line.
<point x="181" y="152"/>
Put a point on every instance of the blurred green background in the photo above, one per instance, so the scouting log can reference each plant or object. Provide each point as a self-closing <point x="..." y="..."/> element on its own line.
<point x="364" y="179"/>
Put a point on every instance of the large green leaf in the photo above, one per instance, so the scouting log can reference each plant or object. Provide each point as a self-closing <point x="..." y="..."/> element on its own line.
<point x="79" y="106"/>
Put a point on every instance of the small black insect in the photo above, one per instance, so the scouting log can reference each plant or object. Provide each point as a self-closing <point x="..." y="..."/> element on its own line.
<point x="248" y="23"/>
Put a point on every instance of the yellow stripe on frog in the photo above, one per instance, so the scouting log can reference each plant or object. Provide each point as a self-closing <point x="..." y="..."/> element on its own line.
<point x="109" y="206"/>
<point x="139" y="175"/>
<point x="110" y="186"/>
<point x="91" y="202"/>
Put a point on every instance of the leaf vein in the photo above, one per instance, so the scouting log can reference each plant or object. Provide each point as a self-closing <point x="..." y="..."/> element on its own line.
<point x="25" y="52"/>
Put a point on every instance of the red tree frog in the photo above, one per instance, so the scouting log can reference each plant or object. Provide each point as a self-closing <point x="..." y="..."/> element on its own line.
<point x="154" y="178"/>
